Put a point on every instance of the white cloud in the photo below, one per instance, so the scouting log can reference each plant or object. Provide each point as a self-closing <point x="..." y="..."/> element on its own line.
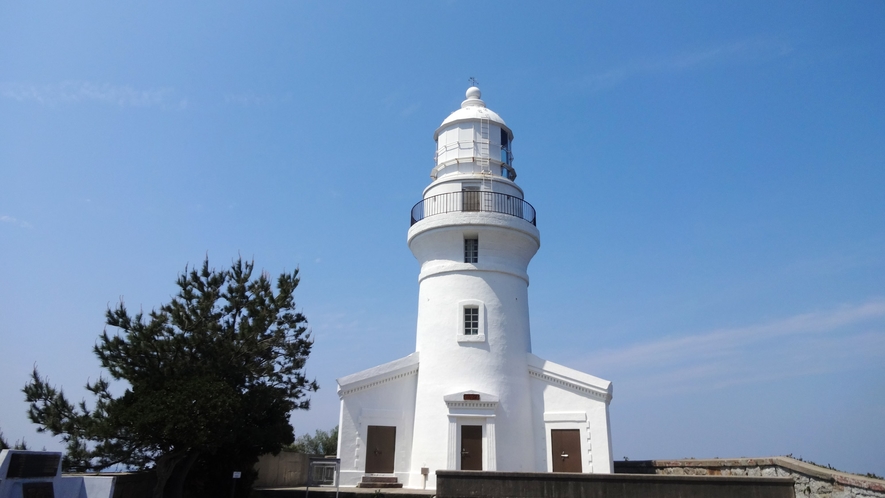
<point x="851" y="336"/>
<point x="84" y="91"/>
<point x="745" y="50"/>
<point x="16" y="222"/>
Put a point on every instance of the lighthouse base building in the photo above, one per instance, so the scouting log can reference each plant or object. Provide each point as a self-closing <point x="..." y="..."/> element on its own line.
<point x="472" y="396"/>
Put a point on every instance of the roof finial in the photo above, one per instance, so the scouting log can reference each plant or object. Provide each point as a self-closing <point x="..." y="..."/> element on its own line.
<point x="472" y="81"/>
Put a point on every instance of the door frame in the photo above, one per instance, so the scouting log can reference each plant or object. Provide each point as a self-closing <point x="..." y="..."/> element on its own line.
<point x="388" y="418"/>
<point x="369" y="450"/>
<point x="471" y="408"/>
<point x="569" y="420"/>
<point x="488" y="440"/>
<point x="482" y="442"/>
<point x="574" y="459"/>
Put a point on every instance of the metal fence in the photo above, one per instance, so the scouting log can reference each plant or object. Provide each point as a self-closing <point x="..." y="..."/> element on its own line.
<point x="474" y="200"/>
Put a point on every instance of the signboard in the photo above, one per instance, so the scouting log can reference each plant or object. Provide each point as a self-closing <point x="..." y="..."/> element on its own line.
<point x="32" y="464"/>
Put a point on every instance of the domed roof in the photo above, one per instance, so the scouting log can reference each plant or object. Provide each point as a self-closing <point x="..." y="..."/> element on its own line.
<point x="472" y="109"/>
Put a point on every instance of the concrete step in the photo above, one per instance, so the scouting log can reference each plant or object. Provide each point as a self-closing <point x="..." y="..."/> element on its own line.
<point x="379" y="482"/>
<point x="380" y="485"/>
<point x="379" y="479"/>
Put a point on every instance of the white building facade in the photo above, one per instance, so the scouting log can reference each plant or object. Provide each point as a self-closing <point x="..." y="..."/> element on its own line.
<point x="472" y="396"/>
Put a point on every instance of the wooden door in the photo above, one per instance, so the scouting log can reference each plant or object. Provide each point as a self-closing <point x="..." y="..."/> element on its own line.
<point x="37" y="490"/>
<point x="471" y="447"/>
<point x="380" y="449"/>
<point x="566" y="447"/>
<point x="470" y="200"/>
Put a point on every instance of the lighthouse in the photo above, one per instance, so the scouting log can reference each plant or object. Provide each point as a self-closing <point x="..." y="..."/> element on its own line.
<point x="472" y="396"/>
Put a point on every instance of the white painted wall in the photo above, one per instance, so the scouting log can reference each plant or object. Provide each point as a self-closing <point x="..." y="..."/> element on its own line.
<point x="385" y="396"/>
<point x="497" y="365"/>
<point x="458" y="145"/>
<point x="457" y="183"/>
<point x="564" y="398"/>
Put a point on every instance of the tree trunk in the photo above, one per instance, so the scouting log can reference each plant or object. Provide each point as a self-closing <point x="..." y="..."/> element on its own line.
<point x="175" y="484"/>
<point x="163" y="468"/>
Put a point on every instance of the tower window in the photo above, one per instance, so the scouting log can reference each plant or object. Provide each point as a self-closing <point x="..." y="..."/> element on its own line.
<point x="506" y="158"/>
<point x="471" y="250"/>
<point x="471" y="320"/>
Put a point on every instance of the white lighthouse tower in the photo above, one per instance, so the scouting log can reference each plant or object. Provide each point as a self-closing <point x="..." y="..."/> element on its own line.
<point x="474" y="240"/>
<point x="472" y="396"/>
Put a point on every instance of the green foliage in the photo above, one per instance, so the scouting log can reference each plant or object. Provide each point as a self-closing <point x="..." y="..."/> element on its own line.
<point x="322" y="443"/>
<point x="19" y="445"/>
<point x="212" y="375"/>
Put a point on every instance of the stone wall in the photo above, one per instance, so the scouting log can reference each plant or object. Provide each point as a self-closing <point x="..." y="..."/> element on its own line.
<point x="476" y="484"/>
<point x="810" y="481"/>
<point x="283" y="470"/>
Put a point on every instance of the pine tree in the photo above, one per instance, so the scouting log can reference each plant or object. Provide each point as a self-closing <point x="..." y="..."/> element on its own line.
<point x="212" y="376"/>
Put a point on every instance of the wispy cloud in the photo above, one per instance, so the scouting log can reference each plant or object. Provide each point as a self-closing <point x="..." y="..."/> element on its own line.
<point x="401" y="103"/>
<point x="14" y="221"/>
<point x="754" y="49"/>
<point x="251" y="99"/>
<point x="69" y="92"/>
<point x="805" y="344"/>
<point x="408" y="111"/>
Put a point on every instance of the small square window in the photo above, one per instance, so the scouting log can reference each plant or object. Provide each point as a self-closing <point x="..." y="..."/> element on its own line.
<point x="471" y="250"/>
<point x="471" y="320"/>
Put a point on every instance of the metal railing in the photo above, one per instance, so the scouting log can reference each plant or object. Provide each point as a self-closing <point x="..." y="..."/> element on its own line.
<point x="474" y="200"/>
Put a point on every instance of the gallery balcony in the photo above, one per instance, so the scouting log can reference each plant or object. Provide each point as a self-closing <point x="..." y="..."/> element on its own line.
<point x="474" y="200"/>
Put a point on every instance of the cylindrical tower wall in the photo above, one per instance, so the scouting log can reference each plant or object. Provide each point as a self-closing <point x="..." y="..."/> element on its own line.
<point x="493" y="361"/>
<point x="457" y="183"/>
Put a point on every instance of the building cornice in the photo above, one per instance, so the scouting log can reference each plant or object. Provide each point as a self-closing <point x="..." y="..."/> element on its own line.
<point x="461" y="219"/>
<point x="568" y="378"/>
<point x="441" y="267"/>
<point x="376" y="376"/>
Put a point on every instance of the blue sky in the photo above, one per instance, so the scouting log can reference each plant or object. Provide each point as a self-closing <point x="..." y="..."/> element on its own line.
<point x="708" y="178"/>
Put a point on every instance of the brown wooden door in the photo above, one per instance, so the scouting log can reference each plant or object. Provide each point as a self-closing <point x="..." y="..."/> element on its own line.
<point x="380" y="449"/>
<point x="470" y="200"/>
<point x="471" y="447"/>
<point x="566" y="447"/>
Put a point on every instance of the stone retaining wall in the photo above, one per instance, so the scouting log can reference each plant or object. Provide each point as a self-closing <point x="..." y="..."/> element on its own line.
<point x="483" y="484"/>
<point x="283" y="470"/>
<point x="810" y="481"/>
